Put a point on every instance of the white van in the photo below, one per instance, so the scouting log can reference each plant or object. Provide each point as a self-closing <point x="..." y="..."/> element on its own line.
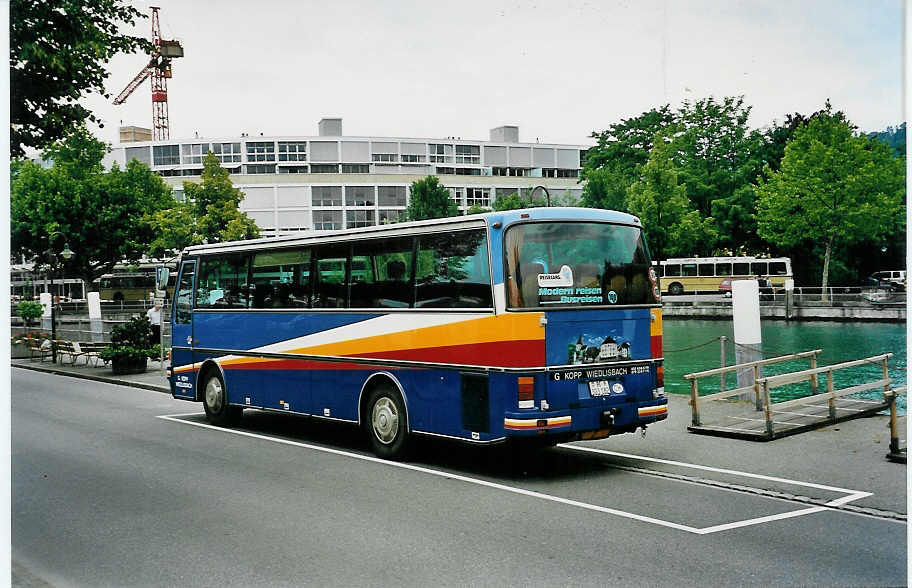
<point x="893" y="279"/>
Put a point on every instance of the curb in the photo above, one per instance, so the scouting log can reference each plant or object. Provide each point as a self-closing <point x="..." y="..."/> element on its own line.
<point x="106" y="380"/>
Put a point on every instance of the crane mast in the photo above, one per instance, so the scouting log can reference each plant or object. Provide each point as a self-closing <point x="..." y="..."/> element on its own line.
<point x="159" y="70"/>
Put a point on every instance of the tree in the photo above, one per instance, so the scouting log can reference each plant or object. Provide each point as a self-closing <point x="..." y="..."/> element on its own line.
<point x="104" y="216"/>
<point x="514" y="201"/>
<point x="210" y="213"/>
<point x="58" y="52"/>
<point x="428" y="199"/>
<point x="833" y="188"/>
<point x="672" y="227"/>
<point x="611" y="165"/>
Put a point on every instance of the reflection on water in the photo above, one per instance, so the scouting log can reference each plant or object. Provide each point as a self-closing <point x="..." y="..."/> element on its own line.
<point x="693" y="345"/>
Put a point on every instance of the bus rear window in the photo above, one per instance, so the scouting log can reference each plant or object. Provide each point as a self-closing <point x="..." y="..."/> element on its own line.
<point x="558" y="264"/>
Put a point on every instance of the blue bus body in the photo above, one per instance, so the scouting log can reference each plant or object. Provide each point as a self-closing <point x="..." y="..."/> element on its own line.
<point x="461" y="347"/>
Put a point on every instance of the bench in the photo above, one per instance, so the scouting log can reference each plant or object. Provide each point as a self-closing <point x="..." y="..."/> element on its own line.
<point x="36" y="350"/>
<point x="90" y="350"/>
<point x="68" y="349"/>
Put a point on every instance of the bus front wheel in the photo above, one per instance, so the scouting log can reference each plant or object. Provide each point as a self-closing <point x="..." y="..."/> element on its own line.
<point x="675" y="288"/>
<point x="387" y="423"/>
<point x="215" y="401"/>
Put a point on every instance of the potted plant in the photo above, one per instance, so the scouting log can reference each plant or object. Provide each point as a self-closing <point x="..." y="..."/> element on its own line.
<point x="131" y="347"/>
<point x="28" y="310"/>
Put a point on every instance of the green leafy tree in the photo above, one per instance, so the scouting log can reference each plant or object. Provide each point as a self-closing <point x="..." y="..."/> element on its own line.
<point x="29" y="310"/>
<point x="477" y="209"/>
<point x="103" y="216"/>
<point x="833" y="188"/>
<point x="58" y="53"/>
<point x="672" y="226"/>
<point x="514" y="201"/>
<point x="210" y="213"/>
<point x="611" y="165"/>
<point x="428" y="199"/>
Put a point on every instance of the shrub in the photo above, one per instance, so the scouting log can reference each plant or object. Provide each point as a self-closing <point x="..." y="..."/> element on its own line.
<point x="131" y="341"/>
<point x="29" y="310"/>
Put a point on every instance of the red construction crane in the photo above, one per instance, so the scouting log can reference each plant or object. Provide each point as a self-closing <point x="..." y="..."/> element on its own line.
<point x="159" y="69"/>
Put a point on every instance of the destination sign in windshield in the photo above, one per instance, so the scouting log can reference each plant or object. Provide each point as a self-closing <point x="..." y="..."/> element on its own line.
<point x="599" y="372"/>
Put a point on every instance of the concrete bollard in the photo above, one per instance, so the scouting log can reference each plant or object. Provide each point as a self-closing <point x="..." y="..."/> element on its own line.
<point x="746" y="321"/>
<point x="45" y="300"/>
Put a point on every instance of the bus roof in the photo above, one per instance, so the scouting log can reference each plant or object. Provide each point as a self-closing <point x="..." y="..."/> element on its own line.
<point x="506" y="217"/>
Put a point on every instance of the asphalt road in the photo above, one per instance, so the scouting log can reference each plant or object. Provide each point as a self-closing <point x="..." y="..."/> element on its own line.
<point x="107" y="493"/>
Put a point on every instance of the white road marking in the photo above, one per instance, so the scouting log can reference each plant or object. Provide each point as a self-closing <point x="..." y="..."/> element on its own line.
<point x="852" y="494"/>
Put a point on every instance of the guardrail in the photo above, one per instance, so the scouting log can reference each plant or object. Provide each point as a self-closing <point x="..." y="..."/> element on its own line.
<point x="753" y="388"/>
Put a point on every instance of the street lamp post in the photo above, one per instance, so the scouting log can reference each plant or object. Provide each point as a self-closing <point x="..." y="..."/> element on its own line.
<point x="547" y="195"/>
<point x="67" y="253"/>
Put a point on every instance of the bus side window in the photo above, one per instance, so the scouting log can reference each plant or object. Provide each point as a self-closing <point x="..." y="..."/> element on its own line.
<point x="280" y="279"/>
<point x="391" y="287"/>
<point x="453" y="271"/>
<point x="741" y="269"/>
<point x="672" y="270"/>
<point x="723" y="269"/>
<point x="689" y="269"/>
<point x="707" y="269"/>
<point x="777" y="268"/>
<point x="759" y="268"/>
<point x="331" y="287"/>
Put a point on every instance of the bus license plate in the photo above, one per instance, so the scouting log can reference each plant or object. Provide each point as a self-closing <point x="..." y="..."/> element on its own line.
<point x="599" y="388"/>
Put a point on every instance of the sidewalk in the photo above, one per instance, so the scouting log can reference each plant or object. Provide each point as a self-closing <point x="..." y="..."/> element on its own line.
<point x="153" y="379"/>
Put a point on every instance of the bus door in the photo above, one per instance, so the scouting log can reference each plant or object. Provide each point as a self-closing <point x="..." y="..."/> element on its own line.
<point x="183" y="369"/>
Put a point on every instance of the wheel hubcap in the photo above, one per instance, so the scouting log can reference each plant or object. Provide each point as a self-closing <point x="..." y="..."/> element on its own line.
<point x="385" y="420"/>
<point x="214" y="394"/>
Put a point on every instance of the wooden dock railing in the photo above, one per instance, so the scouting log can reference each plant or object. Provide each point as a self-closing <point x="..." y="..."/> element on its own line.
<point x="754" y="389"/>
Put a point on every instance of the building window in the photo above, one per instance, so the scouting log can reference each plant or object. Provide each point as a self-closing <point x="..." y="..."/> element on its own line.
<point x="391" y="196"/>
<point x="510" y="171"/>
<point x="192" y="172"/>
<point x="388" y="217"/>
<point x="227" y="152"/>
<point x="292" y="169"/>
<point x="446" y="170"/>
<point x="324" y="168"/>
<point x="549" y="173"/>
<point x="457" y="195"/>
<point x="568" y="173"/>
<point x="234" y="170"/>
<point x="327" y="220"/>
<point x="478" y="196"/>
<point x="166" y="173"/>
<point x="440" y="153"/>
<point x="261" y="168"/>
<point x="260" y="151"/>
<point x="385" y="157"/>
<point x="468" y="171"/>
<point x="359" y="218"/>
<point x="468" y="154"/>
<point x="412" y="158"/>
<point x="359" y="196"/>
<point x="355" y="168"/>
<point x="292" y="151"/>
<point x="166" y="154"/>
<point x="327" y="196"/>
<point x="192" y="153"/>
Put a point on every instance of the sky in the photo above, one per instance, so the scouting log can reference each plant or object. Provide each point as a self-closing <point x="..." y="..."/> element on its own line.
<point x="558" y="70"/>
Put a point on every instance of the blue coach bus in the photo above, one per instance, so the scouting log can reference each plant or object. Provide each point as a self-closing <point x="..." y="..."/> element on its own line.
<point x="541" y="324"/>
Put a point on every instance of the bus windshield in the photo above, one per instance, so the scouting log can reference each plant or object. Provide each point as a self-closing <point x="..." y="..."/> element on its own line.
<point x="557" y="264"/>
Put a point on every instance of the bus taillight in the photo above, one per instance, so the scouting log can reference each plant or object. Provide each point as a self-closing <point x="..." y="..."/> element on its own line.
<point x="526" y="392"/>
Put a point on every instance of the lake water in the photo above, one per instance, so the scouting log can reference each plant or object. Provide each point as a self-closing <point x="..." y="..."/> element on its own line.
<point x="693" y="345"/>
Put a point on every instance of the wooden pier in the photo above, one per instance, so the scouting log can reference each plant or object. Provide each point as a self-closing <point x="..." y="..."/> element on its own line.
<point x="754" y="417"/>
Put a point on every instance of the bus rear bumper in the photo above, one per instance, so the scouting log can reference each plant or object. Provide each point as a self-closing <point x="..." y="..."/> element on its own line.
<point x="586" y="423"/>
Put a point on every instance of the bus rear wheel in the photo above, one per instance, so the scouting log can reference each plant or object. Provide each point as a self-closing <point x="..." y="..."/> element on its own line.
<point x="215" y="401"/>
<point x="675" y="289"/>
<point x="386" y="423"/>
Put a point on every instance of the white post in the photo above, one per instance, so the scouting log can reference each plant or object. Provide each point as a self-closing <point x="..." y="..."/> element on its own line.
<point x="94" y="301"/>
<point x="746" y="319"/>
<point x="789" y="298"/>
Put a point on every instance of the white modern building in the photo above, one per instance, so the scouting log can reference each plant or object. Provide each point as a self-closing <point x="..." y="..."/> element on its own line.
<point x="333" y="181"/>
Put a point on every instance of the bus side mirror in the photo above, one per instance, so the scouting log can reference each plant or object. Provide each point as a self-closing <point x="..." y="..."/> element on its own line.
<point x="161" y="277"/>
